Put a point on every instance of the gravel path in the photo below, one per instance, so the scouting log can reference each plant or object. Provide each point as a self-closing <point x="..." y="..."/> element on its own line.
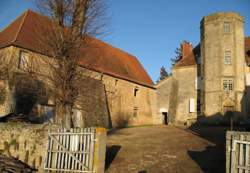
<point x="166" y="149"/>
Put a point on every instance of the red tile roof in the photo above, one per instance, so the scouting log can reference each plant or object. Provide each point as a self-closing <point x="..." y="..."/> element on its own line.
<point x="26" y="30"/>
<point x="190" y="59"/>
<point x="247" y="48"/>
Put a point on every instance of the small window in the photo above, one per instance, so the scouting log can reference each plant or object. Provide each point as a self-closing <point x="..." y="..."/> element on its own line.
<point x="227" y="57"/>
<point x="135" y="91"/>
<point x="135" y="113"/>
<point x="198" y="60"/>
<point x="228" y="85"/>
<point x="198" y="83"/>
<point x="226" y="27"/>
<point x="248" y="79"/>
<point x="22" y="60"/>
<point x="116" y="81"/>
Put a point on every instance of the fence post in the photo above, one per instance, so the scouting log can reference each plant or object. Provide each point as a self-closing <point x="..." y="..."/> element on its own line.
<point x="100" y="150"/>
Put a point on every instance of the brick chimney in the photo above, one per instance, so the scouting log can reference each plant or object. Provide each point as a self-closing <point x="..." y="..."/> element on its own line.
<point x="187" y="48"/>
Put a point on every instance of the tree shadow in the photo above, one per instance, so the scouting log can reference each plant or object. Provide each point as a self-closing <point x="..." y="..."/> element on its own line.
<point x="12" y="164"/>
<point x="111" y="152"/>
<point x="210" y="160"/>
<point x="213" y="129"/>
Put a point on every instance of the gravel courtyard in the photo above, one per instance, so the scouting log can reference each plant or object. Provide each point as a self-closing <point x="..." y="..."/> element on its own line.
<point x="166" y="149"/>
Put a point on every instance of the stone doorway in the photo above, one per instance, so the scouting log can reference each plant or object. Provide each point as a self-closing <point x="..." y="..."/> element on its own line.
<point x="165" y="118"/>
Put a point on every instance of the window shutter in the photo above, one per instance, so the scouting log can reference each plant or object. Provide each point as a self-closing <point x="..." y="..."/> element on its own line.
<point x="198" y="82"/>
<point x="248" y="79"/>
<point x="191" y="105"/>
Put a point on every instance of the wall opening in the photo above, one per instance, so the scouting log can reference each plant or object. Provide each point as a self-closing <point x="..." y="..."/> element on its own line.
<point x="165" y="118"/>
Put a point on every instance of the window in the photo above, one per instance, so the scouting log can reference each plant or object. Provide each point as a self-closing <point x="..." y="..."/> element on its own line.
<point x="22" y="60"/>
<point x="135" y="113"/>
<point x="228" y="85"/>
<point x="198" y="83"/>
<point x="226" y="27"/>
<point x="191" y="105"/>
<point x="198" y="60"/>
<point x="135" y="91"/>
<point x="116" y="81"/>
<point x="227" y="57"/>
<point x="248" y="79"/>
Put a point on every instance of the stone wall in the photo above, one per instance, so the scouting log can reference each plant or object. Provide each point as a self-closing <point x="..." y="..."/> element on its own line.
<point x="6" y="92"/>
<point x="129" y="103"/>
<point x="26" y="142"/>
<point x="186" y="79"/>
<point x="124" y="106"/>
<point x="214" y="42"/>
<point x="164" y="89"/>
<point x="29" y="143"/>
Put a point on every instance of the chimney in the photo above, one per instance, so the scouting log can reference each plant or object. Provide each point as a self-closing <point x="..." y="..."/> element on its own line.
<point x="187" y="48"/>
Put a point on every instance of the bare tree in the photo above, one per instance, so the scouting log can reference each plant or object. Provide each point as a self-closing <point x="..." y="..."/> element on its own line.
<point x="73" y="22"/>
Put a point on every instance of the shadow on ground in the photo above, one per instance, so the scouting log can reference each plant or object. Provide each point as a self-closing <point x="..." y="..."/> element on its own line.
<point x="212" y="159"/>
<point x="13" y="165"/>
<point x="111" y="153"/>
<point x="143" y="171"/>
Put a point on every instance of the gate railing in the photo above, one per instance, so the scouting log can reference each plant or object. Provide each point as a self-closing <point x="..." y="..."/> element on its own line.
<point x="238" y="152"/>
<point x="71" y="150"/>
<point x="240" y="156"/>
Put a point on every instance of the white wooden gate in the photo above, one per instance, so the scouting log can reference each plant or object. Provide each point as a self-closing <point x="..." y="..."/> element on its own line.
<point x="240" y="162"/>
<point x="71" y="150"/>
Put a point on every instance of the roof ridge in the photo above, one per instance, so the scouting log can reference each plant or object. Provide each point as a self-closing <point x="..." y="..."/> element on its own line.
<point x="162" y="81"/>
<point x="20" y="26"/>
<point x="112" y="46"/>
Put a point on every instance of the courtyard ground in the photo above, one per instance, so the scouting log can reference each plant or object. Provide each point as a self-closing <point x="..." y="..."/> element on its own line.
<point x="166" y="149"/>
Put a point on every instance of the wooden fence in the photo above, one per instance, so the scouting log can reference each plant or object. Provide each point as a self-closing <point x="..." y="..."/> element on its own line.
<point x="238" y="150"/>
<point x="71" y="150"/>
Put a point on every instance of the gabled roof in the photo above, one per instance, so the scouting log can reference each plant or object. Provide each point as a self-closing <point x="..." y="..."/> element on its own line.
<point x="28" y="28"/>
<point x="190" y="59"/>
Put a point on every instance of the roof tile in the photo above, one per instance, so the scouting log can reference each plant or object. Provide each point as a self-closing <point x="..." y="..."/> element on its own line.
<point x="28" y="30"/>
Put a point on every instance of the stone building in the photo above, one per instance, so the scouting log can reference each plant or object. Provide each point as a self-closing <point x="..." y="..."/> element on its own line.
<point x="127" y="89"/>
<point x="211" y="80"/>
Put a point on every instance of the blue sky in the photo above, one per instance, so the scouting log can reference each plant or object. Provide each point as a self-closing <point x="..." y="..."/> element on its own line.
<point x="149" y="29"/>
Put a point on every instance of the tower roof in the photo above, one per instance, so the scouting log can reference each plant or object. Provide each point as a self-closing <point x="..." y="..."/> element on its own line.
<point x="99" y="56"/>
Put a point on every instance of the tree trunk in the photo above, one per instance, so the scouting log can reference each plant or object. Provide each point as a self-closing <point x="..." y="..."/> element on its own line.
<point x="63" y="116"/>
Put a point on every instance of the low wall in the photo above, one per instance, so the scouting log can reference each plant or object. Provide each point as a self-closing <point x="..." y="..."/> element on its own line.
<point x="28" y="143"/>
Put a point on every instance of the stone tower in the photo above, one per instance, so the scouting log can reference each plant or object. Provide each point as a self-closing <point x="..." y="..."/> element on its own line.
<point x="222" y="64"/>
